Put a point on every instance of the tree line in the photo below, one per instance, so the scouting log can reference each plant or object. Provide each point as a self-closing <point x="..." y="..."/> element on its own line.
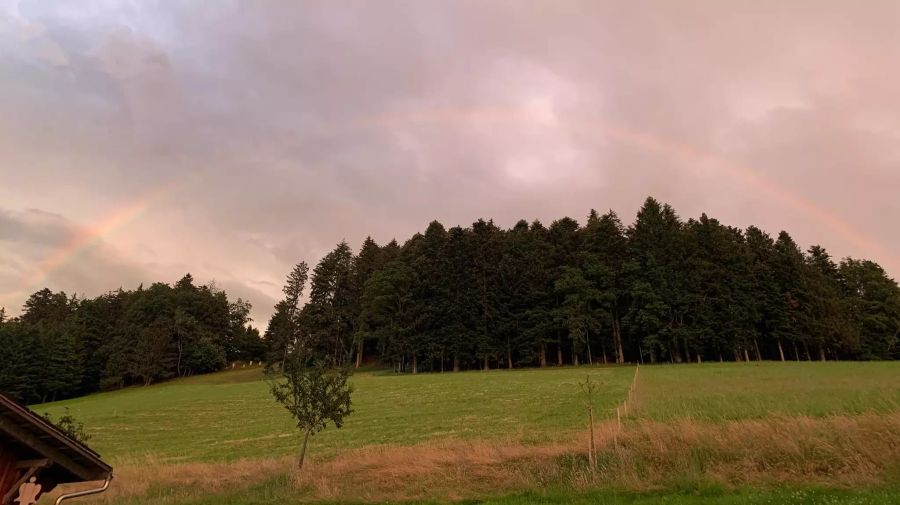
<point x="64" y="346"/>
<point x="659" y="290"/>
<point x="663" y="289"/>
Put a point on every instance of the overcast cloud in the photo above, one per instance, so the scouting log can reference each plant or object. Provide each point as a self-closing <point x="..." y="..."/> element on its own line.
<point x="143" y="140"/>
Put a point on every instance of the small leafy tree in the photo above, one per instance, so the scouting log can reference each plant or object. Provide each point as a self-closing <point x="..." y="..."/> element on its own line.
<point x="314" y="393"/>
<point x="69" y="425"/>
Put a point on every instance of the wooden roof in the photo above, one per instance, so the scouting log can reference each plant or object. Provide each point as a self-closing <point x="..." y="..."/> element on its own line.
<point x="31" y="437"/>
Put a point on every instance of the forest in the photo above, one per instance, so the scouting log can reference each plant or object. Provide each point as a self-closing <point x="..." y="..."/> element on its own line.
<point x="661" y="289"/>
<point x="64" y="346"/>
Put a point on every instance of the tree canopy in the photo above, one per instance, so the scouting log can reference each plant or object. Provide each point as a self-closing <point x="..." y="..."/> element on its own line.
<point x="662" y="289"/>
<point x="63" y="346"/>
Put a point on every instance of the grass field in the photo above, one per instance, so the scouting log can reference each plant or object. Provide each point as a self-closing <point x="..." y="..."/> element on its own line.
<point x="735" y="433"/>
<point x="230" y="415"/>
<point x="728" y="391"/>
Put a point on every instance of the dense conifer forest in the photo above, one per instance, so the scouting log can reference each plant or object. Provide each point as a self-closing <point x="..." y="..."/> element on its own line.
<point x="63" y="346"/>
<point x="662" y="289"/>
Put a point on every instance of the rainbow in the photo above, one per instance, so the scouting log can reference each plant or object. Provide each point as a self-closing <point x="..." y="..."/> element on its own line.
<point x="90" y="235"/>
<point x="682" y="151"/>
<point x="85" y="237"/>
<point x="754" y="179"/>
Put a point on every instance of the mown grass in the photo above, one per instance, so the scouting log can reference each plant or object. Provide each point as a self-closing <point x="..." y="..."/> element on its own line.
<point x="734" y="391"/>
<point x="723" y="434"/>
<point x="231" y="415"/>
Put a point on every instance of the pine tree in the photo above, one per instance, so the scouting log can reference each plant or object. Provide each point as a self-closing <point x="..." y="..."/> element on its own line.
<point x="764" y="290"/>
<point x="579" y="299"/>
<point x="827" y="318"/>
<point x="654" y="259"/>
<point x="369" y="260"/>
<point x="462" y="305"/>
<point x="329" y="313"/>
<point x="565" y="240"/>
<point x="874" y="303"/>
<point x="284" y="332"/>
<point x="486" y="254"/>
<point x="432" y="295"/>
<point x="388" y="305"/>
<point x="605" y="249"/>
<point x="788" y="270"/>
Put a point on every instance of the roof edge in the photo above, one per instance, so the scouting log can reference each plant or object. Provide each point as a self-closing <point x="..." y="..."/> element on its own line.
<point x="49" y="428"/>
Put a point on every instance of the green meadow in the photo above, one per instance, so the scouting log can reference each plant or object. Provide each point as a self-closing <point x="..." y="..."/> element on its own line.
<point x="220" y="438"/>
<point x="230" y="415"/>
<point x="733" y="391"/>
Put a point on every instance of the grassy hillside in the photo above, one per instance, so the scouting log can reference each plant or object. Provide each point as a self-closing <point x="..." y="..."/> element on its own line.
<point x="735" y="433"/>
<point x="231" y="415"/>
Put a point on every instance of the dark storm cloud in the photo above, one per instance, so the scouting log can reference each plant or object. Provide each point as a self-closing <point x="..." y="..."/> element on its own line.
<point x="286" y="126"/>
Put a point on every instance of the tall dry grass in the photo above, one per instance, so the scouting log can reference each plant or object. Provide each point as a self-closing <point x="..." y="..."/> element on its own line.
<point x="837" y="451"/>
<point x="842" y="451"/>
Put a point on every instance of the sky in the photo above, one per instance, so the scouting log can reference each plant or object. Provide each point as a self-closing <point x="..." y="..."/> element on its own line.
<point x="143" y="140"/>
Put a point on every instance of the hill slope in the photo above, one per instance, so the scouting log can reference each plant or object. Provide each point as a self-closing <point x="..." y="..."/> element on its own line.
<point x="715" y="433"/>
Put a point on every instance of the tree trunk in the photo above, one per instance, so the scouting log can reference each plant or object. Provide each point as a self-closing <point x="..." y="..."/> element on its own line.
<point x="303" y="451"/>
<point x="415" y="369"/>
<point x="821" y="353"/>
<point x="442" y="361"/>
<point x="574" y="358"/>
<point x="543" y="355"/>
<point x="592" y="451"/>
<point x="617" y="338"/>
<point x="806" y="351"/>
<point x="359" y="354"/>
<point x="559" y="361"/>
<point x="796" y="352"/>
<point x="780" y="350"/>
<point x="746" y="356"/>
<point x="487" y="365"/>
<point x="455" y="363"/>
<point x="756" y="345"/>
<point x="674" y="352"/>
<point x="590" y="358"/>
<point x="698" y="358"/>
